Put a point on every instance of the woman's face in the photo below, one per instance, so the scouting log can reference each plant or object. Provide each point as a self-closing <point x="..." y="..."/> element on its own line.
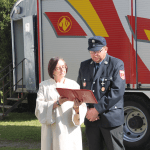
<point x="60" y="69"/>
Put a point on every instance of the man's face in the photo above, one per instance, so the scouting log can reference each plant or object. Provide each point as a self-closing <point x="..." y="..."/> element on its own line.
<point x="98" y="56"/>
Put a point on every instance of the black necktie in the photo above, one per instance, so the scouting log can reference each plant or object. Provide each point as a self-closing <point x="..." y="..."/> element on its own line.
<point x="96" y="67"/>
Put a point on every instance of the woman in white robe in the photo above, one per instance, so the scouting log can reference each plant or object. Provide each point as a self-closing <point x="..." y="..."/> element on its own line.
<point x="60" y="118"/>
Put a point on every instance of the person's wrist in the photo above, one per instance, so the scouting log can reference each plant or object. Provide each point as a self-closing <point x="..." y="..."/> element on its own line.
<point x="57" y="102"/>
<point x="75" y="107"/>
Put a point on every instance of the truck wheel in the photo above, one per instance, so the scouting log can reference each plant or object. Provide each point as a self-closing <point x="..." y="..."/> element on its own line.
<point x="136" y="123"/>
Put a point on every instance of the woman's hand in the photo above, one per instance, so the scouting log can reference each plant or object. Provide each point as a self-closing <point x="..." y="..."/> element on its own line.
<point x="59" y="102"/>
<point x="76" y="105"/>
<point x="62" y="100"/>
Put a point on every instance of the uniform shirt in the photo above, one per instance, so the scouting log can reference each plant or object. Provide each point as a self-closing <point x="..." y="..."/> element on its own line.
<point x="108" y="86"/>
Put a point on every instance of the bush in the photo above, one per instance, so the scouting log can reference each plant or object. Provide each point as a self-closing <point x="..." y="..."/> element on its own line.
<point x="5" y="33"/>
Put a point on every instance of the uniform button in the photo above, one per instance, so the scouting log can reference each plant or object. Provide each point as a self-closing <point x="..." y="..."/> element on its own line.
<point x="93" y="90"/>
<point x="115" y="107"/>
<point x="93" y="82"/>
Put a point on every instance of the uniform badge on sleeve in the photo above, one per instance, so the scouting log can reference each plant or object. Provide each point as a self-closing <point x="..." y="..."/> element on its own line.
<point x="122" y="74"/>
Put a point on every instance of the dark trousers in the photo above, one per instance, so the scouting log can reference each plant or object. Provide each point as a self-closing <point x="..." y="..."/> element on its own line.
<point x="112" y="137"/>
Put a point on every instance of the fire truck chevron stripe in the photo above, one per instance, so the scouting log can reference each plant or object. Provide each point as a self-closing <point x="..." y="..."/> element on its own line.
<point x="143" y="27"/>
<point x="119" y="41"/>
<point x="64" y="24"/>
<point x="86" y="10"/>
<point x="147" y="32"/>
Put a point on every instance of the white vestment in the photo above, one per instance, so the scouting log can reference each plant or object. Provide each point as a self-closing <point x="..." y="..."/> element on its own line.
<point x="60" y="126"/>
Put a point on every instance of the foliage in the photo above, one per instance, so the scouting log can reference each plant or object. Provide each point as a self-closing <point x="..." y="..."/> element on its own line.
<point x="1" y="97"/>
<point x="5" y="33"/>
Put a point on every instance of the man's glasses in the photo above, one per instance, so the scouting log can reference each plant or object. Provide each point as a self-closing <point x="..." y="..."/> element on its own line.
<point x="96" y="52"/>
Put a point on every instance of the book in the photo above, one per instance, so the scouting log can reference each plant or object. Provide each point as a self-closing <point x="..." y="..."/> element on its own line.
<point x="83" y="95"/>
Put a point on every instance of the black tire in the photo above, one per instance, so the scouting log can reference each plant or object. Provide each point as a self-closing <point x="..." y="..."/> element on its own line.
<point x="137" y="123"/>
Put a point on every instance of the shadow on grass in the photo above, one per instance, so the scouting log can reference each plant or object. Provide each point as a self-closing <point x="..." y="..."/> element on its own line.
<point x="18" y="117"/>
<point x="28" y="134"/>
<point x="18" y="127"/>
<point x="13" y="148"/>
<point x="84" y="139"/>
<point x="20" y="133"/>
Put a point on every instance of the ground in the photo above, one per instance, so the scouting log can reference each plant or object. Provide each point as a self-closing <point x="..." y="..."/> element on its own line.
<point x="29" y="145"/>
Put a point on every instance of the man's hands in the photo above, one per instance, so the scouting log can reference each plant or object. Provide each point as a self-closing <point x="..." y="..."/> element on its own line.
<point x="92" y="114"/>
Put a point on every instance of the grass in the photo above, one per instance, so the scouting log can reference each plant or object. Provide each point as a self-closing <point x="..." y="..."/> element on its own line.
<point x="18" y="127"/>
<point x="13" y="148"/>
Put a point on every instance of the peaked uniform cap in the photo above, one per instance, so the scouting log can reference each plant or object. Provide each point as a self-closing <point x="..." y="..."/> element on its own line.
<point x="96" y="43"/>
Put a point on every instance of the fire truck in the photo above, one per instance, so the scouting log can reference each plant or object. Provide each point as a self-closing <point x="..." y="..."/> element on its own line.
<point x="42" y="29"/>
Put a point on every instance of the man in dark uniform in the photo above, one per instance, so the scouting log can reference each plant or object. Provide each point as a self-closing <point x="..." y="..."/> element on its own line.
<point x="105" y="76"/>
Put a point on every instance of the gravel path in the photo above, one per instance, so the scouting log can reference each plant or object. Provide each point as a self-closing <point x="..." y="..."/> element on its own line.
<point x="29" y="145"/>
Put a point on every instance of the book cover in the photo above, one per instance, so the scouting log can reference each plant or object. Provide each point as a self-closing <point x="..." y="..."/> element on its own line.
<point x="84" y="95"/>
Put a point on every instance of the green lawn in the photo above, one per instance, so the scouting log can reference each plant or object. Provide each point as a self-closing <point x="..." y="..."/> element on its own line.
<point x="22" y="127"/>
<point x="13" y="148"/>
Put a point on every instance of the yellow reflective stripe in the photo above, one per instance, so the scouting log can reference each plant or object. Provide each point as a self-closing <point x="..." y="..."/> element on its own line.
<point x="86" y="10"/>
<point x="147" y="32"/>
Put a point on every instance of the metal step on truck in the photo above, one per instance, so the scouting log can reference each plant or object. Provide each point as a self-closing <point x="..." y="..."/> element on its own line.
<point x="42" y="29"/>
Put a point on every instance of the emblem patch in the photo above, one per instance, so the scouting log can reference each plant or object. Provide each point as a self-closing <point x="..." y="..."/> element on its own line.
<point x="64" y="24"/>
<point x="84" y="83"/>
<point x="122" y="74"/>
<point x="103" y="89"/>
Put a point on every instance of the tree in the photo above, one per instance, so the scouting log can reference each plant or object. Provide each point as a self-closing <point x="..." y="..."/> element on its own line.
<point x="5" y="33"/>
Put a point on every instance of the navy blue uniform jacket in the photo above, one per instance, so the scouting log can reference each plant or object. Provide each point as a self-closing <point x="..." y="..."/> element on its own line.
<point x="108" y="86"/>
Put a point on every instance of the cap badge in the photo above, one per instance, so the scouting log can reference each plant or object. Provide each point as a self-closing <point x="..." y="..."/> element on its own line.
<point x="93" y="41"/>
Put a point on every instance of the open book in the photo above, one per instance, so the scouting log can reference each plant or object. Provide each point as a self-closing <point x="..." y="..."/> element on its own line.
<point x="84" y="95"/>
